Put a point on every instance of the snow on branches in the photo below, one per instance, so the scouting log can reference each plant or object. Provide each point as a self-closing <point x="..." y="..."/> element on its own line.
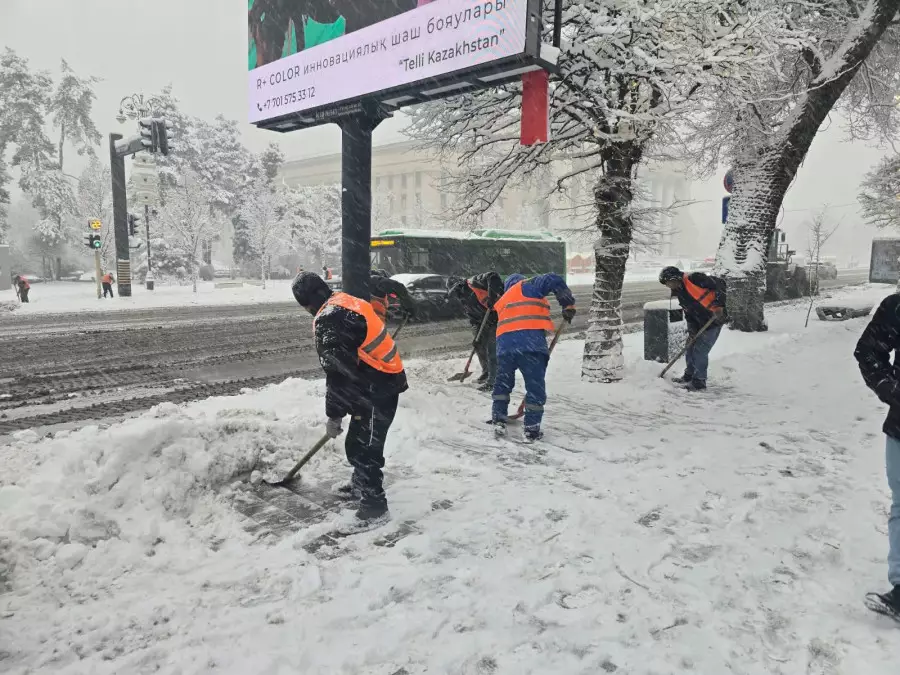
<point x="880" y="194"/>
<point x="262" y="214"/>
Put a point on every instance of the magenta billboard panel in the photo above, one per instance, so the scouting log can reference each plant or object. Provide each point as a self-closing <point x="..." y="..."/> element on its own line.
<point x="306" y="54"/>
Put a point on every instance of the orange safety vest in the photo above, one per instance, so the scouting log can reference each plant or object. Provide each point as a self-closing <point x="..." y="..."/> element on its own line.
<point x="515" y="311"/>
<point x="107" y="278"/>
<point x="24" y="283"/>
<point x="704" y="296"/>
<point x="480" y="294"/>
<point x="380" y="305"/>
<point x="378" y="350"/>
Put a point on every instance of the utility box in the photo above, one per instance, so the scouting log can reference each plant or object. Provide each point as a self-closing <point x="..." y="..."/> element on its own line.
<point x="5" y="268"/>
<point x="664" y="330"/>
<point x="885" y="265"/>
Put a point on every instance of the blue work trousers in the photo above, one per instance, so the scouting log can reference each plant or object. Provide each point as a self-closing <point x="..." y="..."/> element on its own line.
<point x="533" y="366"/>
<point x="697" y="355"/>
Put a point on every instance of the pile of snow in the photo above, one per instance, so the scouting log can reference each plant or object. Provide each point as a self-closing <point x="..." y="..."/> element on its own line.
<point x="66" y="296"/>
<point x="653" y="532"/>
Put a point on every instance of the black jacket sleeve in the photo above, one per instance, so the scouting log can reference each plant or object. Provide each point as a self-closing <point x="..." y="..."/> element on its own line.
<point x="703" y="280"/>
<point x="490" y="282"/>
<point x="390" y="286"/>
<point x="339" y="335"/>
<point x="873" y="351"/>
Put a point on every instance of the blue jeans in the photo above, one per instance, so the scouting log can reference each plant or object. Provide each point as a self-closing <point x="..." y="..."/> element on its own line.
<point x="534" y="367"/>
<point x="697" y="355"/>
<point x="892" y="463"/>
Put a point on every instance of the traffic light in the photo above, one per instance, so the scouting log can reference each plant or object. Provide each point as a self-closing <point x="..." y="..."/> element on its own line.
<point x="92" y="240"/>
<point x="164" y="135"/>
<point x="149" y="134"/>
<point x="132" y="224"/>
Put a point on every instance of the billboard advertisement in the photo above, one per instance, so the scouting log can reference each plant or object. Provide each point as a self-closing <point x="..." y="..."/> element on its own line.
<point x="305" y="54"/>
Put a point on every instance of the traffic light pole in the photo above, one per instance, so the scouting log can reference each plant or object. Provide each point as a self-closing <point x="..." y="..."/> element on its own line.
<point x="120" y="218"/>
<point x="147" y="225"/>
<point x="98" y="272"/>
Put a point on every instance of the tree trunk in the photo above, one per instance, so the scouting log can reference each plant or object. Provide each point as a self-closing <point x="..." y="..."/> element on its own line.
<point x="763" y="176"/>
<point x="603" y="358"/>
<point x="62" y="142"/>
<point x="262" y="270"/>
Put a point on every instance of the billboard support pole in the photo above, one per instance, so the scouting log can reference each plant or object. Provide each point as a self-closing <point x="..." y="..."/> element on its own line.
<point x="356" y="199"/>
<point x="120" y="218"/>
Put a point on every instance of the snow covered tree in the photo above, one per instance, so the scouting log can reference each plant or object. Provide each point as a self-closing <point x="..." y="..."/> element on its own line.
<point x="71" y="106"/>
<point x="263" y="216"/>
<point x="880" y="194"/>
<point x="313" y="215"/>
<point x="766" y="129"/>
<point x="93" y="200"/>
<point x="188" y="219"/>
<point x="628" y="73"/>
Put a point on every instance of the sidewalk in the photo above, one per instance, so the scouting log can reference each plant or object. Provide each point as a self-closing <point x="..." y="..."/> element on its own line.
<point x="654" y="532"/>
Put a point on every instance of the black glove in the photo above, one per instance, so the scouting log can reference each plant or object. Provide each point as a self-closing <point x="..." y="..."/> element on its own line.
<point x="568" y="314"/>
<point x="333" y="427"/>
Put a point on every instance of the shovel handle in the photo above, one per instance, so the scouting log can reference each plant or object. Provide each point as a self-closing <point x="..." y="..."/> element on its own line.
<point x="308" y="456"/>
<point x="687" y="345"/>
<point x="521" y="410"/>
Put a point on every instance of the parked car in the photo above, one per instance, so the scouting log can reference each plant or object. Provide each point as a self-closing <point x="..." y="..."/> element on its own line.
<point x="429" y="292"/>
<point x="827" y="270"/>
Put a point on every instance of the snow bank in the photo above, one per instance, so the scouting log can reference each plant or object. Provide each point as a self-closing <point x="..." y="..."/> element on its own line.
<point x="653" y="532"/>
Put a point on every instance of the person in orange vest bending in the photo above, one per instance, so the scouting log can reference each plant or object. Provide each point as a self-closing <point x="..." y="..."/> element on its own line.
<point x="108" y="281"/>
<point x="701" y="297"/>
<point x="523" y="321"/>
<point x="364" y="378"/>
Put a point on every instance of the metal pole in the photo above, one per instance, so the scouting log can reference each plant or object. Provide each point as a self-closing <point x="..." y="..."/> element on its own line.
<point x="147" y="224"/>
<point x="98" y="272"/>
<point x="356" y="204"/>
<point x="120" y="218"/>
<point x="557" y="23"/>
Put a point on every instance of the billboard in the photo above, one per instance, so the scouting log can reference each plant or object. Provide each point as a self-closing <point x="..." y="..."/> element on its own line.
<point x="310" y="54"/>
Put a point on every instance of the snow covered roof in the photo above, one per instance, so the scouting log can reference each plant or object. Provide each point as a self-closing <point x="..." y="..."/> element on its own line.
<point x="407" y="279"/>
<point x="473" y="234"/>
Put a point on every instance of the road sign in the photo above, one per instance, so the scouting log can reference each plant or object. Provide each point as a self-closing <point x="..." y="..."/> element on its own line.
<point x="728" y="181"/>
<point x="95" y="224"/>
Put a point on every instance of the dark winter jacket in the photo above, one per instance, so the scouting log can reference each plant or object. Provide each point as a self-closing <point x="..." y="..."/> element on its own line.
<point x="536" y="287"/>
<point x="381" y="287"/>
<point x="873" y="353"/>
<point x="695" y="314"/>
<point x="351" y="384"/>
<point x="488" y="281"/>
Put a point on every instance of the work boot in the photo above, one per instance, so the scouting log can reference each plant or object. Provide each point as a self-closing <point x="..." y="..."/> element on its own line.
<point x="533" y="434"/>
<point x="370" y="512"/>
<point x="499" y="428"/>
<point x="487" y="386"/>
<point x="684" y="379"/>
<point x="696" y="385"/>
<point x="482" y="378"/>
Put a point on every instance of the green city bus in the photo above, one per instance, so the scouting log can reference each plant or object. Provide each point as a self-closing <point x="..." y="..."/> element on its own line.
<point x="463" y="254"/>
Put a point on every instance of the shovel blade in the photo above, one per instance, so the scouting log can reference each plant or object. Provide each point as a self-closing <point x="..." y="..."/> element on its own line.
<point x="459" y="377"/>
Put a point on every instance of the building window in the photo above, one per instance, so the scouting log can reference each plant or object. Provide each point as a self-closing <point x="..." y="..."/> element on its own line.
<point x="418" y="201"/>
<point x="391" y="205"/>
<point x="443" y="200"/>
<point x="403" y="181"/>
<point x="390" y="182"/>
<point x="403" y="203"/>
<point x="378" y="182"/>
<point x="418" y="179"/>
<point x="545" y="220"/>
<point x="403" y="220"/>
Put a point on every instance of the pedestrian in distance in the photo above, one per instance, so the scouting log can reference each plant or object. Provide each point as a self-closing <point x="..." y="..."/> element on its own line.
<point x="382" y="288"/>
<point x="879" y="341"/>
<point x="478" y="295"/>
<point x="523" y="321"/>
<point x="364" y="378"/>
<point x="22" y="288"/>
<point x="701" y="297"/>
<point x="108" y="281"/>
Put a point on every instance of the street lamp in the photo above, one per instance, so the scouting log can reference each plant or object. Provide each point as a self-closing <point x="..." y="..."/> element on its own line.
<point x="135" y="106"/>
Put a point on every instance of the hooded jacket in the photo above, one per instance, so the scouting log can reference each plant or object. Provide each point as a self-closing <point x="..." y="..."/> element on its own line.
<point x="536" y="287"/>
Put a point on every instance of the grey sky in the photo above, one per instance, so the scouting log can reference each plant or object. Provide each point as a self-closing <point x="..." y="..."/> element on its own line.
<point x="200" y="47"/>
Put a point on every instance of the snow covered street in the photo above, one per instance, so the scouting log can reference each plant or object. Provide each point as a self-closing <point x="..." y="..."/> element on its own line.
<point x="652" y="532"/>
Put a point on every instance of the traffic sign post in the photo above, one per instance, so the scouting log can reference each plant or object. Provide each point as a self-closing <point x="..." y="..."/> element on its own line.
<point x="98" y="272"/>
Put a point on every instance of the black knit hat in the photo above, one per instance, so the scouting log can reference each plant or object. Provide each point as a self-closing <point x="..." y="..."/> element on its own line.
<point x="670" y="274"/>
<point x="310" y="290"/>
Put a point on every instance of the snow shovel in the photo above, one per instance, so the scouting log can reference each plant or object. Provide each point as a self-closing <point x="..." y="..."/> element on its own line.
<point x="299" y="465"/>
<point x="521" y="411"/>
<point x="461" y="377"/>
<point x="688" y="345"/>
<point x="400" y="327"/>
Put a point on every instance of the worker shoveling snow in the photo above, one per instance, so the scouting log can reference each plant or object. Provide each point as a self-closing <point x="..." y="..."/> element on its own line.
<point x="735" y="530"/>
